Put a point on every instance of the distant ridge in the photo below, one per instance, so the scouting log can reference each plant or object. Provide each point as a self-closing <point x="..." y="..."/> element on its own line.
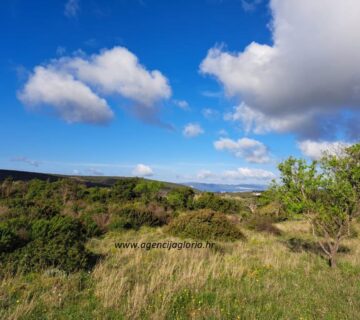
<point x="213" y="187"/>
<point x="90" y="181"/>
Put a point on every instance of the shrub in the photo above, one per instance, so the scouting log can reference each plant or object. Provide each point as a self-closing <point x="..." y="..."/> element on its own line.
<point x="9" y="241"/>
<point x="13" y="234"/>
<point x="205" y="225"/>
<point x="123" y="190"/>
<point x="58" y="242"/>
<point x="133" y="216"/>
<point x="263" y="223"/>
<point x="181" y="198"/>
<point x="209" y="200"/>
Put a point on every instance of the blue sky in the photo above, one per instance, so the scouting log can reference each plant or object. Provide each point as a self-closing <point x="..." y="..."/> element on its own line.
<point x="232" y="96"/>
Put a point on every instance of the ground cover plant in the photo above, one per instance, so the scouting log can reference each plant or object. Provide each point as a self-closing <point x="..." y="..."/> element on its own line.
<point x="270" y="258"/>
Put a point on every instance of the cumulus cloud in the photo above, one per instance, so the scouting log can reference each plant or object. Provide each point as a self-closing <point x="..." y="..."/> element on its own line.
<point x="142" y="170"/>
<point x="251" y="150"/>
<point x="72" y="8"/>
<point x="118" y="71"/>
<point x="306" y="79"/>
<point x="248" y="173"/>
<point x="71" y="99"/>
<point x="237" y="175"/>
<point x="192" y="130"/>
<point x="315" y="149"/>
<point x="76" y="87"/>
<point x="26" y="160"/>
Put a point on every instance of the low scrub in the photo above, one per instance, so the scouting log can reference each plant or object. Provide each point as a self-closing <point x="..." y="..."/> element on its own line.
<point x="58" y="242"/>
<point x="263" y="223"/>
<point x="209" y="200"/>
<point x="205" y="225"/>
<point x="133" y="216"/>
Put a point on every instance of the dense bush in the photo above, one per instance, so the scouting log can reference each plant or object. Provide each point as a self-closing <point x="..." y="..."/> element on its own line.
<point x="56" y="242"/>
<point x="205" y="225"/>
<point x="181" y="198"/>
<point x="133" y="216"/>
<point x="123" y="190"/>
<point x="9" y="241"/>
<point x="209" y="200"/>
<point x="262" y="223"/>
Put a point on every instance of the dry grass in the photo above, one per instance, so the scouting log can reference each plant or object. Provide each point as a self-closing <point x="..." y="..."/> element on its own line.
<point x="260" y="278"/>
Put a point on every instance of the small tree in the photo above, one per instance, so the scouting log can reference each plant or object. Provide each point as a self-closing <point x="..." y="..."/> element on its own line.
<point x="326" y="192"/>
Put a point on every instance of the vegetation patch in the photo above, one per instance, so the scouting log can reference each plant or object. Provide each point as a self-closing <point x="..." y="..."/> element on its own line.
<point x="205" y="225"/>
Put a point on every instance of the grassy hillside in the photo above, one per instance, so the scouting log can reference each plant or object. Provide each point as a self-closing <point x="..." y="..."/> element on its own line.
<point x="68" y="251"/>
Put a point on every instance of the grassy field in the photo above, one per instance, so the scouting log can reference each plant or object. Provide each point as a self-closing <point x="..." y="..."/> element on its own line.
<point x="261" y="277"/>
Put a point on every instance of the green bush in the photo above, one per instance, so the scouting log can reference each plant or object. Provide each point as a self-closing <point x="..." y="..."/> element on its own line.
<point x="181" y="198"/>
<point x="58" y="242"/>
<point x="209" y="200"/>
<point x="9" y="241"/>
<point x="123" y="190"/>
<point x="133" y="216"/>
<point x="14" y="233"/>
<point x="205" y="225"/>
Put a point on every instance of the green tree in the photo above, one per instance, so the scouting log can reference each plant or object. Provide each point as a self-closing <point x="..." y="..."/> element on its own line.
<point x="326" y="193"/>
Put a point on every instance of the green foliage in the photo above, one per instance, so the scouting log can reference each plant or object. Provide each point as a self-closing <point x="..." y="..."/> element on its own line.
<point x="209" y="200"/>
<point x="123" y="190"/>
<point x="133" y="216"/>
<point x="205" y="225"/>
<point x="326" y="192"/>
<point x="56" y="242"/>
<point x="181" y="198"/>
<point x="148" y="190"/>
<point x="14" y="233"/>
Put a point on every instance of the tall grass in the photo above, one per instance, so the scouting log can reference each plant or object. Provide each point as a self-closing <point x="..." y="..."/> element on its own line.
<point x="257" y="278"/>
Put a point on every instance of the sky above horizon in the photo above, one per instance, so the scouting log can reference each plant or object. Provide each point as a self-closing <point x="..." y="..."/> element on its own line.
<point x="207" y="90"/>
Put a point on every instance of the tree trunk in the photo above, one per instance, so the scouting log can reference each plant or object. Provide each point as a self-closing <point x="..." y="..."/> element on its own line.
<point x="332" y="261"/>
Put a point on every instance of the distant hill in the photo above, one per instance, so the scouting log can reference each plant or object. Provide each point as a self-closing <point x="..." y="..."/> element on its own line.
<point x="107" y="181"/>
<point x="91" y="181"/>
<point x="213" y="187"/>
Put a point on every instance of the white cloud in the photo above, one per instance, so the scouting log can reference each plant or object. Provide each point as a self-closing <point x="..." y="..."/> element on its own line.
<point x="243" y="174"/>
<point x="248" y="173"/>
<point x="141" y="170"/>
<point x="182" y="104"/>
<point x="118" y="71"/>
<point x="311" y="72"/>
<point x="76" y="86"/>
<point x="315" y="149"/>
<point x="251" y="150"/>
<point x="255" y="121"/>
<point x="205" y="174"/>
<point x="72" y="8"/>
<point x="192" y="130"/>
<point x="71" y="99"/>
